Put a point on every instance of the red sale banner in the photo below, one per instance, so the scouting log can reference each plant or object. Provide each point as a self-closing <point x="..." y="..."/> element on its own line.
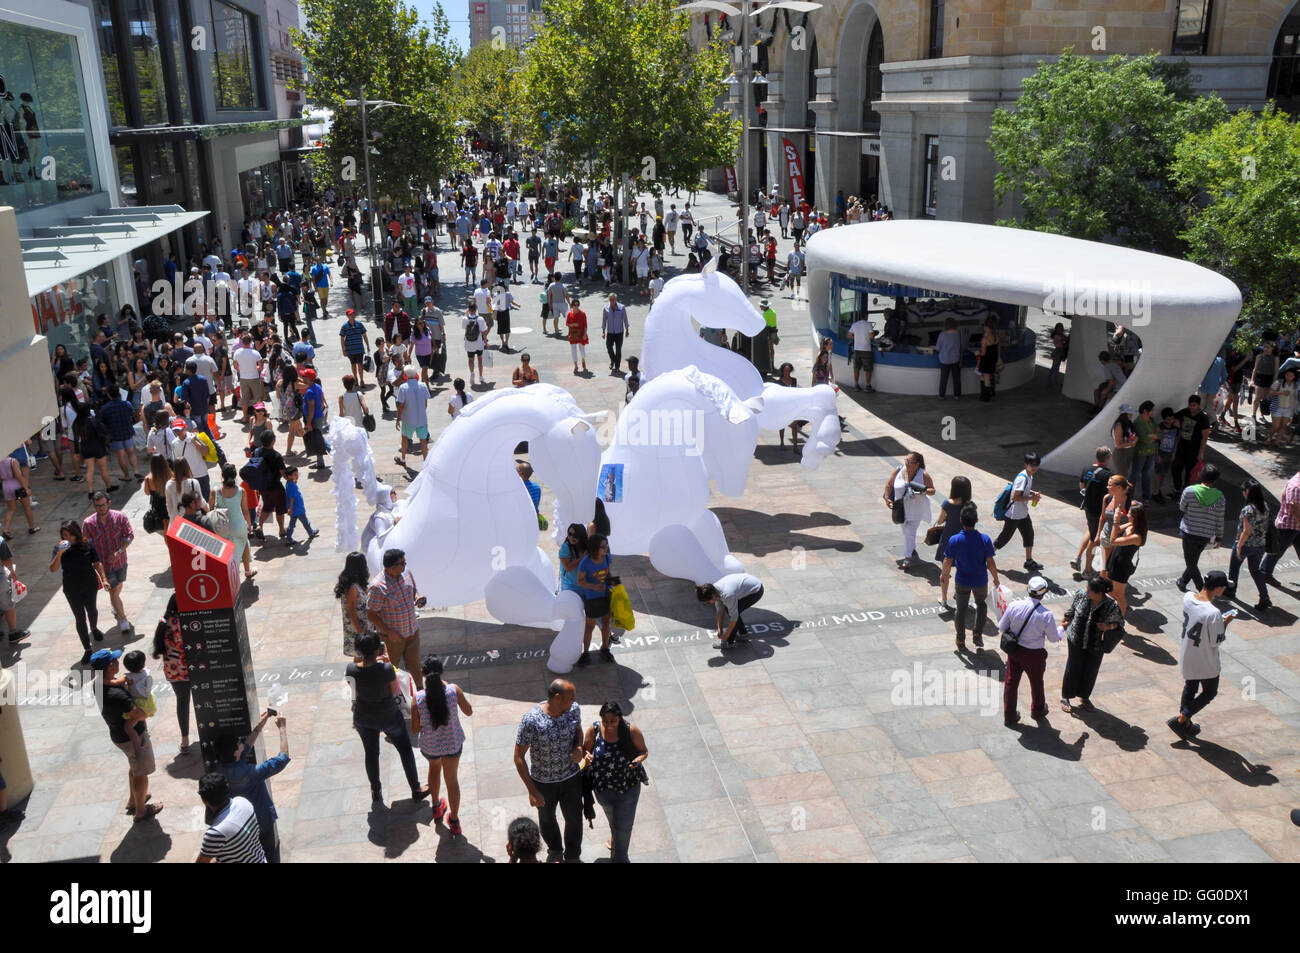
<point x="795" y="170"/>
<point x="731" y="178"/>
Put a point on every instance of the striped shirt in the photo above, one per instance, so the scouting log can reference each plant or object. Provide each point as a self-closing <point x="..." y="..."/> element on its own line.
<point x="234" y="837"/>
<point x="1198" y="520"/>
<point x="353" y="334"/>
<point x="1288" y="517"/>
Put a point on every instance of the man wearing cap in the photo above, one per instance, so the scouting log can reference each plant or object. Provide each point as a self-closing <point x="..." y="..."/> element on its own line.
<point x="1204" y="629"/>
<point x="120" y="713"/>
<point x="186" y="445"/>
<point x="354" y="340"/>
<point x="313" y="413"/>
<point x="1025" y="626"/>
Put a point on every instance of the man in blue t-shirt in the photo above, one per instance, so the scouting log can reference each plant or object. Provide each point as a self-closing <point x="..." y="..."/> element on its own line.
<point x="313" y="412"/>
<point x="973" y="552"/>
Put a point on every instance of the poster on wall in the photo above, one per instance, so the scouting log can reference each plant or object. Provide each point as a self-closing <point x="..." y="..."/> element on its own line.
<point x="731" y="178"/>
<point x="611" y="482"/>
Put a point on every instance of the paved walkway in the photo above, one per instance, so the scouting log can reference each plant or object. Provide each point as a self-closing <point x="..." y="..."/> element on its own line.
<point x="848" y="730"/>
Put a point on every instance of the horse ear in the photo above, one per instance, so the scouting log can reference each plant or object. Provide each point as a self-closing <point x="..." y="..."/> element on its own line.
<point x="710" y="267"/>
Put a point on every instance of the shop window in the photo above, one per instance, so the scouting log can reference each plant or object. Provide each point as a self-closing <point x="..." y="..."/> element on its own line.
<point x="234" y="56"/>
<point x="146" y="59"/>
<point x="46" y="151"/>
<point x="109" y="62"/>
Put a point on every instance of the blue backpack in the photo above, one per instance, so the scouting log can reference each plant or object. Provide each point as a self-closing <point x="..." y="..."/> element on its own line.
<point x="1001" y="503"/>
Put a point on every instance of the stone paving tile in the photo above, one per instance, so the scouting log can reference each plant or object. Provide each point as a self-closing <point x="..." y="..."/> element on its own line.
<point x="1232" y="846"/>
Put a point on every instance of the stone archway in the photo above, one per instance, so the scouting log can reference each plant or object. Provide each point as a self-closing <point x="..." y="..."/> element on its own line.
<point x="858" y="83"/>
<point x="1284" y="71"/>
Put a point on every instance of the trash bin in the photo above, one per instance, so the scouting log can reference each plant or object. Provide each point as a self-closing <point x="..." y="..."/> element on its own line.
<point x="13" y="750"/>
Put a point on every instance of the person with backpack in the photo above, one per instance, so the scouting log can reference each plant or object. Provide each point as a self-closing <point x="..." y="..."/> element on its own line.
<point x="1092" y="487"/>
<point x="1012" y="507"/>
<point x="475" y="329"/>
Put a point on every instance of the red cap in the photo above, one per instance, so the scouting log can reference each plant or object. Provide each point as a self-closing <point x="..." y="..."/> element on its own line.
<point x="308" y="374"/>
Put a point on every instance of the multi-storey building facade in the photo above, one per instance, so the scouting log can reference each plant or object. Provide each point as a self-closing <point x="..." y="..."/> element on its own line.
<point x="509" y="21"/>
<point x="879" y="97"/>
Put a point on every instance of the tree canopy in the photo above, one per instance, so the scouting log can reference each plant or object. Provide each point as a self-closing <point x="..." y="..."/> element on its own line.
<point x="485" y="90"/>
<point x="1089" y="144"/>
<point x="1244" y="220"/>
<point x="619" y="84"/>
<point x="381" y="45"/>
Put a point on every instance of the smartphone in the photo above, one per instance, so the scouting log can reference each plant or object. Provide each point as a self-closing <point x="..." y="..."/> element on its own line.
<point x="421" y="602"/>
<point x="272" y="712"/>
<point x="1230" y="614"/>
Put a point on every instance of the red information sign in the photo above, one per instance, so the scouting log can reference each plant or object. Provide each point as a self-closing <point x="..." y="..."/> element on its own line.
<point x="205" y="572"/>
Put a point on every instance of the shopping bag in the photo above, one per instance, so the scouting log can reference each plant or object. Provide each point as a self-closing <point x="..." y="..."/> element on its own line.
<point x="620" y="608"/>
<point x="17" y="591"/>
<point x="1001" y="599"/>
<point x="1195" y="475"/>
<point x="487" y="358"/>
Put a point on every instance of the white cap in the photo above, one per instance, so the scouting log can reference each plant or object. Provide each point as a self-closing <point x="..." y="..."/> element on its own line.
<point x="1037" y="585"/>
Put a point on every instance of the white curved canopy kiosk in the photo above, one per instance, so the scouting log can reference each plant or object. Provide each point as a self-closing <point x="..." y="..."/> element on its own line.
<point x="1181" y="311"/>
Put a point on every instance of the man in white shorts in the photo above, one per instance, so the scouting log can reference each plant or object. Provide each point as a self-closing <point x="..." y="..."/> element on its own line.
<point x="248" y="368"/>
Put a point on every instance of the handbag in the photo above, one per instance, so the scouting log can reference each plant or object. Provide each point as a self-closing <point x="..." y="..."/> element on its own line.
<point x="1008" y="643"/>
<point x="368" y="363"/>
<point x="152" y="522"/>
<point x="1112" y="638"/>
<point x="368" y="421"/>
<point x="932" y="535"/>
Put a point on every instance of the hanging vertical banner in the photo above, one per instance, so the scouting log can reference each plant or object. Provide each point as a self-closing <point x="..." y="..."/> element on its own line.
<point x="731" y="178"/>
<point x="795" y="170"/>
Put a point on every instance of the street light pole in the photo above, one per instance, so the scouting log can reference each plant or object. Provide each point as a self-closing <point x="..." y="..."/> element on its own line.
<point x="376" y="288"/>
<point x="742" y="232"/>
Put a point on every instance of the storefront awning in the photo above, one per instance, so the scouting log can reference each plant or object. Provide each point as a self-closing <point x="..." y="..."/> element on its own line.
<point x="56" y="254"/>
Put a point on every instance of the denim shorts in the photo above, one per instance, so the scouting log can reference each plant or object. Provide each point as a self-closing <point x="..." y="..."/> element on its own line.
<point x="115" y="577"/>
<point x="115" y="445"/>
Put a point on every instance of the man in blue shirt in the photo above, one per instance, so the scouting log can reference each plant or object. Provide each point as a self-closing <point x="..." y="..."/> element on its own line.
<point x="973" y="552"/>
<point x="118" y="418"/>
<point x="313" y="413"/>
<point x="195" y="391"/>
<point x="248" y="780"/>
<point x="355" y="341"/>
<point x="303" y="352"/>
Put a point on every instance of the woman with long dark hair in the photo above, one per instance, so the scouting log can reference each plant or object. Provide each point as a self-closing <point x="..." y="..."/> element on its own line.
<point x="593" y="577"/>
<point x="436" y="723"/>
<point x="571" y="552"/>
<point x="616" y="750"/>
<point x="949" y="524"/>
<point x="1250" y="546"/>
<point x="351" y="589"/>
<point x="155" y="485"/>
<point x="83" y="577"/>
<point x="92" y="439"/>
<point x="170" y="647"/>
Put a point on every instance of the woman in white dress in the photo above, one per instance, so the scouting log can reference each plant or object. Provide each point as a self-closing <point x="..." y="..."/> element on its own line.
<point x="910" y="488"/>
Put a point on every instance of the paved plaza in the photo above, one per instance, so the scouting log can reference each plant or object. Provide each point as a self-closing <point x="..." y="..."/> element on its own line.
<point x="848" y="730"/>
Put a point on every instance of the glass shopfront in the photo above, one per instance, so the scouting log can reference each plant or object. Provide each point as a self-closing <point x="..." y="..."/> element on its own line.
<point x="261" y="189"/>
<point x="66" y="313"/>
<point x="46" y="151"/>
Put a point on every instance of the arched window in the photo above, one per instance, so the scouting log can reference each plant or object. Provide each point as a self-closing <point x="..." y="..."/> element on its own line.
<point x="872" y="82"/>
<point x="1284" y="76"/>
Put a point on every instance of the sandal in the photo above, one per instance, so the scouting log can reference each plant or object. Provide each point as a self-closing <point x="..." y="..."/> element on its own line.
<point x="151" y="810"/>
<point x="440" y="810"/>
<point x="1065" y="705"/>
<point x="33" y="531"/>
<point x="60" y="477"/>
<point x="1086" y="705"/>
<point x="130" y="806"/>
<point x="453" y="825"/>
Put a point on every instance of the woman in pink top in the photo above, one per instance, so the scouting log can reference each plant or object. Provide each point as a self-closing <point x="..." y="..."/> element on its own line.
<point x="436" y="722"/>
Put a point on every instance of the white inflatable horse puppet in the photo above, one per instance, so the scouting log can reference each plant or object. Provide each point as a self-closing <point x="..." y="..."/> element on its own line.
<point x="683" y="429"/>
<point x="672" y="343"/>
<point x="468" y="527"/>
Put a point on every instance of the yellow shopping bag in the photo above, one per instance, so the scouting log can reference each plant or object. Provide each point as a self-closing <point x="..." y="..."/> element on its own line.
<point x="620" y="608"/>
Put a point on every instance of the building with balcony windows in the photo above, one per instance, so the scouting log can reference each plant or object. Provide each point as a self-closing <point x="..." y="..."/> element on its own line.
<point x="879" y="97"/>
<point x="513" y="21"/>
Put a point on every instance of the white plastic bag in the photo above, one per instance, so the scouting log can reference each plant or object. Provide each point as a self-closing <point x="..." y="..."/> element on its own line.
<point x="1001" y="599"/>
<point x="487" y="358"/>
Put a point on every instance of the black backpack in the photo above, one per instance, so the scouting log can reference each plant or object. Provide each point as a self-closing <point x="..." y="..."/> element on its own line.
<point x="471" y="330"/>
<point x="255" y="474"/>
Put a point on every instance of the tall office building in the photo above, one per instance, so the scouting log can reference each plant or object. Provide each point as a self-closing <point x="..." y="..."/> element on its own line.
<point x="510" y="21"/>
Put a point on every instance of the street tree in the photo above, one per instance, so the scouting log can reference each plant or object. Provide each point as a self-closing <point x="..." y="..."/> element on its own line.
<point x="1088" y="145"/>
<point x="485" y="91"/>
<point x="381" y="46"/>
<point x="1244" y="219"/>
<point x="620" y="85"/>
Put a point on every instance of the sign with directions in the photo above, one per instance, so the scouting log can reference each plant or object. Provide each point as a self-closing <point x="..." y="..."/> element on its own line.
<point x="220" y="664"/>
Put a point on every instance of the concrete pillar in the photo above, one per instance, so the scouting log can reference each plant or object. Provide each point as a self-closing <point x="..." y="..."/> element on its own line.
<point x="17" y="770"/>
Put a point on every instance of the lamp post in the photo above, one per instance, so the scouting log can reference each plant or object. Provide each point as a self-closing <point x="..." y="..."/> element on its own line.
<point x="376" y="286"/>
<point x="746" y="13"/>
